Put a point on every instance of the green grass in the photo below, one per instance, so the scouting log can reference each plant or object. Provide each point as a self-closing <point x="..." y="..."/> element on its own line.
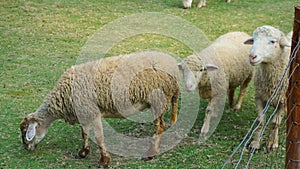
<point x="41" y="39"/>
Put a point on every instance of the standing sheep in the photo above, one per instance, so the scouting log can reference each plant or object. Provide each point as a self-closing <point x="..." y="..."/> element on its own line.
<point x="228" y="54"/>
<point x="270" y="55"/>
<point x="188" y="3"/>
<point x="114" y="87"/>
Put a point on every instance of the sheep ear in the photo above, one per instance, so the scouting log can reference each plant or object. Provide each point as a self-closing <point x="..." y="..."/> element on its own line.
<point x="249" y="41"/>
<point x="284" y="41"/>
<point x="31" y="131"/>
<point x="290" y="35"/>
<point x="211" y="67"/>
<point x="179" y="66"/>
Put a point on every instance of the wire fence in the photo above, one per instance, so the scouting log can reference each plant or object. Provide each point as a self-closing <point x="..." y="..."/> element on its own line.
<point x="289" y="142"/>
<point x="293" y="102"/>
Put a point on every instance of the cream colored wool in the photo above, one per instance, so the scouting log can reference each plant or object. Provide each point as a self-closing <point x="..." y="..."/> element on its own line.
<point x="268" y="75"/>
<point x="231" y="56"/>
<point x="113" y="87"/>
<point x="270" y="55"/>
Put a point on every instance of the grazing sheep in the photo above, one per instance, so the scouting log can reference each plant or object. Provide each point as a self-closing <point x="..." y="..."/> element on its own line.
<point x="228" y="54"/>
<point x="270" y="55"/>
<point x="114" y="87"/>
<point x="188" y="3"/>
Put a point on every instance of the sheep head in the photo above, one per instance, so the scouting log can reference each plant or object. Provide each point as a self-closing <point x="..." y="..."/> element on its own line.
<point x="32" y="132"/>
<point x="267" y="44"/>
<point x="193" y="70"/>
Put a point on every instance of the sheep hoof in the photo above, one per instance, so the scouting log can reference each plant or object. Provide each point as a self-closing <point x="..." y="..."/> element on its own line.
<point x="237" y="108"/>
<point x="150" y="154"/>
<point x="103" y="165"/>
<point x="203" y="134"/>
<point x="203" y="137"/>
<point x="254" y="145"/>
<point x="272" y="146"/>
<point x="104" y="161"/>
<point x="77" y="156"/>
<point x="204" y="131"/>
<point x="82" y="153"/>
<point x="148" y="158"/>
<point x="200" y="5"/>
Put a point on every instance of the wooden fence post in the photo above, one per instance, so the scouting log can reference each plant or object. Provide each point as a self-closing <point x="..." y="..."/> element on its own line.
<point x="293" y="117"/>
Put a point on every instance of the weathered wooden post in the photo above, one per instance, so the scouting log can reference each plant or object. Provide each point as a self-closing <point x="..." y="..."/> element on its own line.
<point x="293" y="103"/>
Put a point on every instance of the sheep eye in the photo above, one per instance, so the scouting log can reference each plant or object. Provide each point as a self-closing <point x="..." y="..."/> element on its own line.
<point x="272" y="41"/>
<point x="202" y="69"/>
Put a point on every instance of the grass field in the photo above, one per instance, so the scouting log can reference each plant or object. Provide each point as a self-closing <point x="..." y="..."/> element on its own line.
<point x="41" y="39"/>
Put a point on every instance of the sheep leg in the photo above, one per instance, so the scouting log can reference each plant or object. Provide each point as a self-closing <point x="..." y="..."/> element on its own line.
<point x="85" y="150"/>
<point x="158" y="106"/>
<point x="174" y="112"/>
<point x="156" y="140"/>
<point x="212" y="111"/>
<point x="230" y="97"/>
<point x="201" y="3"/>
<point x="98" y="129"/>
<point x="206" y="124"/>
<point x="274" y="138"/>
<point x="255" y="144"/>
<point x="243" y="89"/>
<point x="228" y="1"/>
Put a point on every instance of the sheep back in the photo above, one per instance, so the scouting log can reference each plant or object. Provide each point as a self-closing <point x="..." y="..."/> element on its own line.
<point x="95" y="87"/>
<point x="231" y="56"/>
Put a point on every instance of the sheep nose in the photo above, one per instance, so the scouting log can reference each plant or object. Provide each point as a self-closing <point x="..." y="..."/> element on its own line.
<point x="188" y="87"/>
<point x="252" y="57"/>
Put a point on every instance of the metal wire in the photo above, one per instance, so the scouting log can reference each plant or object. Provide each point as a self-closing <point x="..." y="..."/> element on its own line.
<point x="279" y="85"/>
<point x="273" y="113"/>
<point x="274" y="94"/>
<point x="279" y="88"/>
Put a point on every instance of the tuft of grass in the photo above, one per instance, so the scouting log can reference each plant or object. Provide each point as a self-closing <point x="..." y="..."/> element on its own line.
<point x="41" y="39"/>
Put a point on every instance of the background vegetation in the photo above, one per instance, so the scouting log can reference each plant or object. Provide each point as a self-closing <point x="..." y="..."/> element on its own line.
<point x="41" y="39"/>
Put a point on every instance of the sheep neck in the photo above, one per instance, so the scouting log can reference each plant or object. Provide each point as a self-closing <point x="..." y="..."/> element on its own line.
<point x="267" y="75"/>
<point x="44" y="116"/>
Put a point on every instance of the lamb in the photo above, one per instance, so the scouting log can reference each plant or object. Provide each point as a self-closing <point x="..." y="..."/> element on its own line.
<point x="228" y="56"/>
<point x="270" y="55"/>
<point x="114" y="87"/>
<point x="188" y="3"/>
